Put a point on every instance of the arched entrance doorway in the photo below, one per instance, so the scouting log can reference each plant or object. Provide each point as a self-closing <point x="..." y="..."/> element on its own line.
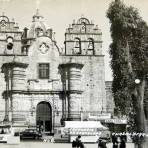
<point x="44" y="117"/>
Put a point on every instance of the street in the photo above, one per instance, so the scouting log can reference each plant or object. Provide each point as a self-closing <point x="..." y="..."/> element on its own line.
<point x="52" y="145"/>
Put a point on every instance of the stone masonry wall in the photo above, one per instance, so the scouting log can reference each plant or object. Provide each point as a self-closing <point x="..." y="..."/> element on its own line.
<point x="25" y="105"/>
<point x="93" y="81"/>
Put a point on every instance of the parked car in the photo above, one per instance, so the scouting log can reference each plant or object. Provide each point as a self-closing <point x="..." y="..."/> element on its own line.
<point x="30" y="134"/>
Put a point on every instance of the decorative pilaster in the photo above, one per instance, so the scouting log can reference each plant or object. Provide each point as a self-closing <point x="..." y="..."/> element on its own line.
<point x="71" y="79"/>
<point x="15" y="78"/>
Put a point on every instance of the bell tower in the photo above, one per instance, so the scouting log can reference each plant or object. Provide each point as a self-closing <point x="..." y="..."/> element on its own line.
<point x="10" y="37"/>
<point x="83" y="45"/>
<point x="83" y="38"/>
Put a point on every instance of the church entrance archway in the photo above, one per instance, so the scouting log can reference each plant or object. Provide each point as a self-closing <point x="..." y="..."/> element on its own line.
<point x="44" y="117"/>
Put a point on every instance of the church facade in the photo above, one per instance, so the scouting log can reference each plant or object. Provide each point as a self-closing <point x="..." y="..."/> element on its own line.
<point x="42" y="85"/>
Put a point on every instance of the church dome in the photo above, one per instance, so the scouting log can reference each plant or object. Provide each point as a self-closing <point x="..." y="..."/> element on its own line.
<point x="37" y="28"/>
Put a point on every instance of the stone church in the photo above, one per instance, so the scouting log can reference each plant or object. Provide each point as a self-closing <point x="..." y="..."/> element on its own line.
<point x="40" y="84"/>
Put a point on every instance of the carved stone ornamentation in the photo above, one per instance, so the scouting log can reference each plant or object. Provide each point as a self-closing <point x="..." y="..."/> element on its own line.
<point x="43" y="48"/>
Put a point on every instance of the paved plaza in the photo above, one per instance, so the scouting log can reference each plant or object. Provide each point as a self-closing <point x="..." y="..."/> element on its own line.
<point x="53" y="145"/>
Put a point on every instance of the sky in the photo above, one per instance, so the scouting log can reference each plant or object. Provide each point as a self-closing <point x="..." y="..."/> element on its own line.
<point x="58" y="14"/>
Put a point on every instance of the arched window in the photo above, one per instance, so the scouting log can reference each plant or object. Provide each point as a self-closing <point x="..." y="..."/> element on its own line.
<point x="90" y="43"/>
<point x="24" y="50"/>
<point x="90" y="46"/>
<point x="77" y="46"/>
<point x="9" y="42"/>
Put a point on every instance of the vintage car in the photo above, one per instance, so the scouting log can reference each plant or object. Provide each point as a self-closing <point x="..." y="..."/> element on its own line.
<point x="5" y="132"/>
<point x="30" y="134"/>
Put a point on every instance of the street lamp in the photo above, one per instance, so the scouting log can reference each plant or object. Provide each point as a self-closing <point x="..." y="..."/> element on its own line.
<point x="137" y="81"/>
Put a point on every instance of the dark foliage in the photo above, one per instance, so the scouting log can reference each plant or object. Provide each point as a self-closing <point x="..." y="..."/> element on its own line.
<point x="129" y="54"/>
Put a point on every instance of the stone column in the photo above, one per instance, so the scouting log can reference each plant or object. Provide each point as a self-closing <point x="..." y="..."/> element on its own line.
<point x="15" y="78"/>
<point x="19" y="78"/>
<point x="72" y="71"/>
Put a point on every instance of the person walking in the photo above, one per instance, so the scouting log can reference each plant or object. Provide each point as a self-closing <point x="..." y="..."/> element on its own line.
<point x="74" y="144"/>
<point x="115" y="141"/>
<point x="102" y="143"/>
<point x="79" y="143"/>
<point x="122" y="143"/>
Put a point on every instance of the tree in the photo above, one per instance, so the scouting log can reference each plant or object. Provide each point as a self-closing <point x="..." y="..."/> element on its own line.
<point x="129" y="54"/>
